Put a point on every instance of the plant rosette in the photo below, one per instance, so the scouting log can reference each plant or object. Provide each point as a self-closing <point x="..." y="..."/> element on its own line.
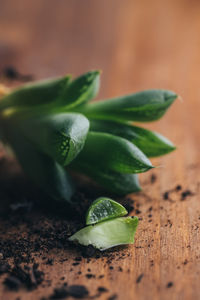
<point x="53" y="128"/>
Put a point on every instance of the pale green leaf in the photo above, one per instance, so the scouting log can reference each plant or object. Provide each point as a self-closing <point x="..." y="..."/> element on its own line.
<point x="108" y="234"/>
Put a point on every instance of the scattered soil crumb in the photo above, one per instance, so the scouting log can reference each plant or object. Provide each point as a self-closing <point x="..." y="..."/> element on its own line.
<point x="11" y="73"/>
<point x="102" y="289"/>
<point x="138" y="280"/>
<point x="185" y="194"/>
<point x="78" y="291"/>
<point x="170" y="284"/>
<point x="75" y="291"/>
<point x="153" y="178"/>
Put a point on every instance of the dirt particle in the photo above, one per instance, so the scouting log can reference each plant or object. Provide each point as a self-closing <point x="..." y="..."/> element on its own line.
<point x="178" y="187"/>
<point x="139" y="278"/>
<point x="102" y="289"/>
<point x="170" y="284"/>
<point x="166" y="195"/>
<point x="185" y="194"/>
<point x="11" y="73"/>
<point x="153" y="178"/>
<point x="59" y="293"/>
<point x="185" y="262"/>
<point x="78" y="291"/>
<point x="89" y="275"/>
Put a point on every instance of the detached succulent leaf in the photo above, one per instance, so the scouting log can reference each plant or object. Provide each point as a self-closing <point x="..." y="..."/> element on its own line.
<point x="149" y="142"/>
<point x="146" y="106"/>
<point x="103" y="150"/>
<point x="103" y="209"/>
<point x="108" y="234"/>
<point x="61" y="136"/>
<point x="36" y="93"/>
<point x="80" y="90"/>
<point x="41" y="169"/>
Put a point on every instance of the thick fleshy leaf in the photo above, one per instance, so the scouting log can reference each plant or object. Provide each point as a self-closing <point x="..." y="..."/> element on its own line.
<point x="61" y="136"/>
<point x="103" y="209"/>
<point x="36" y="93"/>
<point x="80" y="90"/>
<point x="41" y="169"/>
<point x="149" y="105"/>
<point x="108" y="234"/>
<point x="103" y="150"/>
<point x="150" y="143"/>
<point x="114" y="182"/>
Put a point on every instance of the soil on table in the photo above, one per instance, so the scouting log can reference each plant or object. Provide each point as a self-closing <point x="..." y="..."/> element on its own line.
<point x="32" y="226"/>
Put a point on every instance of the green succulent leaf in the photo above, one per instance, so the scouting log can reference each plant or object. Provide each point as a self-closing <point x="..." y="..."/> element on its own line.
<point x="108" y="234"/>
<point x="36" y="93"/>
<point x="103" y="150"/>
<point x="149" y="105"/>
<point x="61" y="136"/>
<point x="114" y="182"/>
<point x="80" y="90"/>
<point x="58" y="94"/>
<point x="149" y="142"/>
<point x="41" y="169"/>
<point x="104" y="209"/>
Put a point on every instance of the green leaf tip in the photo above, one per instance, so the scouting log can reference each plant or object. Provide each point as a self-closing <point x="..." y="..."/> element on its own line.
<point x="107" y="234"/>
<point x="151" y="143"/>
<point x="81" y="90"/>
<point x="54" y="94"/>
<point x="114" y="153"/>
<point x="145" y="106"/>
<point x="36" y="93"/>
<point x="103" y="209"/>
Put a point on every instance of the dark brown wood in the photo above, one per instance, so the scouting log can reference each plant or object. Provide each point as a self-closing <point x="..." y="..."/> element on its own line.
<point x="138" y="45"/>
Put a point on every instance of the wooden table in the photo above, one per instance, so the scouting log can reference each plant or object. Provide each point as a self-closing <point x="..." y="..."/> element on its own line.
<point x="138" y="45"/>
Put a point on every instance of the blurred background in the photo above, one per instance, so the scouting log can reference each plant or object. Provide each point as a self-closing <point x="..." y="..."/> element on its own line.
<point x="137" y="43"/>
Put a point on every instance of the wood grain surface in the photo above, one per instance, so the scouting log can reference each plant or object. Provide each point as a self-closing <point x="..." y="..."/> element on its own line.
<point x="138" y="45"/>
